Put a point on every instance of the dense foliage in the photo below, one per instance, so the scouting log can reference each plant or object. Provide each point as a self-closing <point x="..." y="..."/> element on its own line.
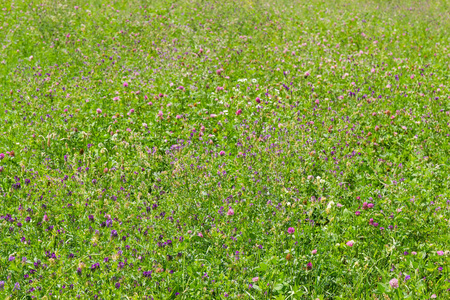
<point x="228" y="149"/>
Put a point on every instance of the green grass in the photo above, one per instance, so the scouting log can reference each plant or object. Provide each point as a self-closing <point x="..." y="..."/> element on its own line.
<point x="157" y="149"/>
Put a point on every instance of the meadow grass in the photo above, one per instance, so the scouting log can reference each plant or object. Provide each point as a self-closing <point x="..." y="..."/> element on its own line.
<point x="224" y="149"/>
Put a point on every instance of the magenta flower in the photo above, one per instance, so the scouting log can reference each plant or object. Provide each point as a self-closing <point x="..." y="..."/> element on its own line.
<point x="258" y="100"/>
<point x="291" y="230"/>
<point x="2" y="156"/>
<point x="200" y="234"/>
<point x="230" y="212"/>
<point x="440" y="253"/>
<point x="125" y="84"/>
<point x="309" y="266"/>
<point x="314" y="251"/>
<point x="393" y="283"/>
<point x="238" y="112"/>
<point x="350" y="243"/>
<point x="222" y="153"/>
<point x="99" y="111"/>
<point x="45" y="219"/>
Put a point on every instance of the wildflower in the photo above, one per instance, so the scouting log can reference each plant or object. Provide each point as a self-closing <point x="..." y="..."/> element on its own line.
<point x="255" y="279"/>
<point x="230" y="212"/>
<point x="45" y="219"/>
<point x="291" y="230"/>
<point x="309" y="266"/>
<point x="407" y="277"/>
<point x="440" y="253"/>
<point x="350" y="243"/>
<point x="393" y="283"/>
<point x="238" y="112"/>
<point x="314" y="251"/>
<point x="99" y="111"/>
<point x="125" y="84"/>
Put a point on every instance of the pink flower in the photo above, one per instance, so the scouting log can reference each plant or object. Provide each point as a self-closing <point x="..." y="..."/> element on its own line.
<point x="440" y="253"/>
<point x="314" y="251"/>
<point x="200" y="234"/>
<point x="350" y="243"/>
<point x="238" y="112"/>
<point x="45" y="218"/>
<point x="291" y="230"/>
<point x="99" y="111"/>
<point x="309" y="266"/>
<point x="2" y="156"/>
<point x="125" y="84"/>
<point x="258" y="100"/>
<point x="150" y="103"/>
<point x="393" y="283"/>
<point x="222" y="153"/>
<point x="160" y="114"/>
<point x="357" y="212"/>
<point x="230" y="212"/>
<point x="255" y="279"/>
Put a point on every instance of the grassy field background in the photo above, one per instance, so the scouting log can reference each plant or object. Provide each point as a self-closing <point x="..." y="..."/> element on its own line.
<point x="224" y="149"/>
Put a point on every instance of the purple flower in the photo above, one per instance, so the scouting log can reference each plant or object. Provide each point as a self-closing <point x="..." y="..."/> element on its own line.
<point x="117" y="285"/>
<point x="291" y="230"/>
<point x="309" y="266"/>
